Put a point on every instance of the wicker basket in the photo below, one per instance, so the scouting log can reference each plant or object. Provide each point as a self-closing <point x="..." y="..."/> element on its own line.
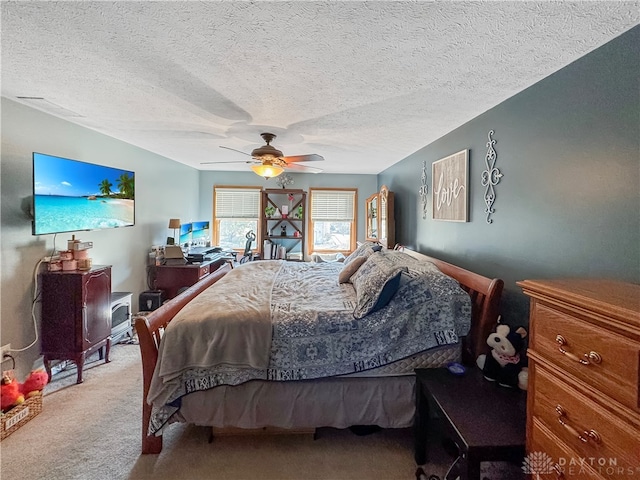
<point x="18" y="416"/>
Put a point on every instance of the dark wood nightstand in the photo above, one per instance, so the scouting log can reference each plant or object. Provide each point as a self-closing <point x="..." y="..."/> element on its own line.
<point x="485" y="421"/>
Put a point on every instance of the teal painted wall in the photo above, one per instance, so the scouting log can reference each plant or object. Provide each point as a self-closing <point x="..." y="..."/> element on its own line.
<point x="569" y="201"/>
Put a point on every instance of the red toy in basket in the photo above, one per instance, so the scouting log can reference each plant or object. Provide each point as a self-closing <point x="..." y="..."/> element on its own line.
<point x="34" y="383"/>
<point x="10" y="394"/>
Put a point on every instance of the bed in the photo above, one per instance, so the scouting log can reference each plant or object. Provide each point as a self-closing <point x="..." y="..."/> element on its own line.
<point x="298" y="345"/>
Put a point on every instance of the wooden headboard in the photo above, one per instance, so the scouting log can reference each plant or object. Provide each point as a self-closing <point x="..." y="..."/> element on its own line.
<point x="485" y="296"/>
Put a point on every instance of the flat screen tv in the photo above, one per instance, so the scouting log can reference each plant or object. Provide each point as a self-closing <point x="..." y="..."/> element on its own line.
<point x="200" y="232"/>
<point x="70" y="195"/>
<point x="185" y="234"/>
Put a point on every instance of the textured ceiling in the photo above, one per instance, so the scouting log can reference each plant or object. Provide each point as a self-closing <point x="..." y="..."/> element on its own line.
<point x="363" y="84"/>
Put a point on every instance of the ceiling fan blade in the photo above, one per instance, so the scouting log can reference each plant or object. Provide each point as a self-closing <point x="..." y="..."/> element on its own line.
<point x="239" y="151"/>
<point x="304" y="158"/>
<point x="302" y="168"/>
<point x="234" y="161"/>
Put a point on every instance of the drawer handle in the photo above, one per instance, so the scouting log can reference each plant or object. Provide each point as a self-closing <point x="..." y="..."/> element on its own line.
<point x="585" y="436"/>
<point x="589" y="358"/>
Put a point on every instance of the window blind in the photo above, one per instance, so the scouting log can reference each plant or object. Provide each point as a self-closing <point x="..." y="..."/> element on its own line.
<point x="331" y="205"/>
<point x="237" y="203"/>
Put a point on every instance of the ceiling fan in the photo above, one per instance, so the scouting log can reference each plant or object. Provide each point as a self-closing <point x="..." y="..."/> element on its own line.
<point x="269" y="162"/>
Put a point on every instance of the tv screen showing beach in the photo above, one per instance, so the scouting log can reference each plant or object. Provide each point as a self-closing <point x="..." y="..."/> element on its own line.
<point x="185" y="233"/>
<point x="200" y="231"/>
<point x="70" y="195"/>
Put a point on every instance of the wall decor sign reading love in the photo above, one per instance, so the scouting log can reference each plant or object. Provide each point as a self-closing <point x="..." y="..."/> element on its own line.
<point x="449" y="187"/>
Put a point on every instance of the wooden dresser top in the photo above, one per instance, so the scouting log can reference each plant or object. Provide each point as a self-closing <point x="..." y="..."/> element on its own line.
<point x="610" y="298"/>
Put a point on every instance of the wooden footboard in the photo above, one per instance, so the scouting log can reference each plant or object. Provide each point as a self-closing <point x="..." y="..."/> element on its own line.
<point x="149" y="329"/>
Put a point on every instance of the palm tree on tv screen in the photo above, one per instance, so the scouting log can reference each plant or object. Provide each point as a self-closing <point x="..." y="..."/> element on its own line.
<point x="125" y="184"/>
<point x="105" y="187"/>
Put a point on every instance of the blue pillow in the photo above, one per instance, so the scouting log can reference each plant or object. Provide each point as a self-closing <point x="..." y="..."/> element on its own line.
<point x="388" y="291"/>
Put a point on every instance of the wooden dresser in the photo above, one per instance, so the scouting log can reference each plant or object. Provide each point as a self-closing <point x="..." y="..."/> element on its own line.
<point x="583" y="405"/>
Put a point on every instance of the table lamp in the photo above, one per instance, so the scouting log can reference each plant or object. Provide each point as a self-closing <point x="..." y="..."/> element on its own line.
<point x="175" y="224"/>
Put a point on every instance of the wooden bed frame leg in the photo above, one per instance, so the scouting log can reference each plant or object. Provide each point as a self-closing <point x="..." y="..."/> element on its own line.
<point x="150" y="443"/>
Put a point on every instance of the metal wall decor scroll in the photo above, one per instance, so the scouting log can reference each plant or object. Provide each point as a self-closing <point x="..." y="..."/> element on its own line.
<point x="490" y="177"/>
<point x="424" y="189"/>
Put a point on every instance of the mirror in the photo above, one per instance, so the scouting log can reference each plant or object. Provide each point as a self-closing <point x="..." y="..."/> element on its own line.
<point x="372" y="217"/>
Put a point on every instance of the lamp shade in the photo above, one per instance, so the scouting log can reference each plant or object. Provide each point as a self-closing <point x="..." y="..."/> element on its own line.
<point x="174" y="223"/>
<point x="267" y="171"/>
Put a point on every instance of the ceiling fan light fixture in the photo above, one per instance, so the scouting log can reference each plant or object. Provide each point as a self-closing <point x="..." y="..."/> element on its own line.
<point x="267" y="171"/>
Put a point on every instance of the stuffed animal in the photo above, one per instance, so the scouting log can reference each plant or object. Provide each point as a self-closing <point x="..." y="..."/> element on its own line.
<point x="34" y="383"/>
<point x="504" y="365"/>
<point x="10" y="393"/>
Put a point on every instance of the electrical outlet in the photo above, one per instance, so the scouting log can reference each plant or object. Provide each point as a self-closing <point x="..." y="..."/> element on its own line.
<point x="5" y="349"/>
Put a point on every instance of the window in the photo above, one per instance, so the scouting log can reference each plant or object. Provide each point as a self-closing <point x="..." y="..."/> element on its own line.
<point x="332" y="224"/>
<point x="236" y="212"/>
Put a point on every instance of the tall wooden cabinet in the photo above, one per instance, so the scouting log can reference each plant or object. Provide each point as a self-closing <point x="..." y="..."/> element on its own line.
<point x="380" y="222"/>
<point x="387" y="221"/>
<point x="280" y="229"/>
<point x="372" y="226"/>
<point x="76" y="316"/>
<point x="583" y="405"/>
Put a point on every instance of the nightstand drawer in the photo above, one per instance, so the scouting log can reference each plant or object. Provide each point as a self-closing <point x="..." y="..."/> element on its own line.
<point x="586" y="427"/>
<point x="605" y="360"/>
<point x="548" y="457"/>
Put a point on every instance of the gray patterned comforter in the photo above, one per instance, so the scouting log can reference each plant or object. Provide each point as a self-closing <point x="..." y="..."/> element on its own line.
<point x="308" y="317"/>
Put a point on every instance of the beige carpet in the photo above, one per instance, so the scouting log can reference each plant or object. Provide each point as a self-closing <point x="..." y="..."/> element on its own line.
<point x="92" y="431"/>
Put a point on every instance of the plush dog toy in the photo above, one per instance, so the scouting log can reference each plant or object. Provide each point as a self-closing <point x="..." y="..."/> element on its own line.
<point x="505" y="364"/>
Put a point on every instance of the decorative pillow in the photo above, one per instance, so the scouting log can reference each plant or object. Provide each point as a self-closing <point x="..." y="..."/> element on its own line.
<point x="401" y="258"/>
<point x="364" y="249"/>
<point x="375" y="282"/>
<point x="348" y="270"/>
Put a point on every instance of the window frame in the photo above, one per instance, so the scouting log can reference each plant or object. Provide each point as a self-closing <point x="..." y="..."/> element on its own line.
<point x="216" y="221"/>
<point x="354" y="222"/>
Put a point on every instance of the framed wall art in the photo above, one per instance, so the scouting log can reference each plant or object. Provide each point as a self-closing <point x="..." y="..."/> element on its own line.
<point x="449" y="187"/>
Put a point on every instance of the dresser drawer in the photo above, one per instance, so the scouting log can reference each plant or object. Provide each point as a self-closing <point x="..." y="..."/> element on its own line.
<point x="586" y="427"/>
<point x="615" y="372"/>
<point x="549" y="458"/>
